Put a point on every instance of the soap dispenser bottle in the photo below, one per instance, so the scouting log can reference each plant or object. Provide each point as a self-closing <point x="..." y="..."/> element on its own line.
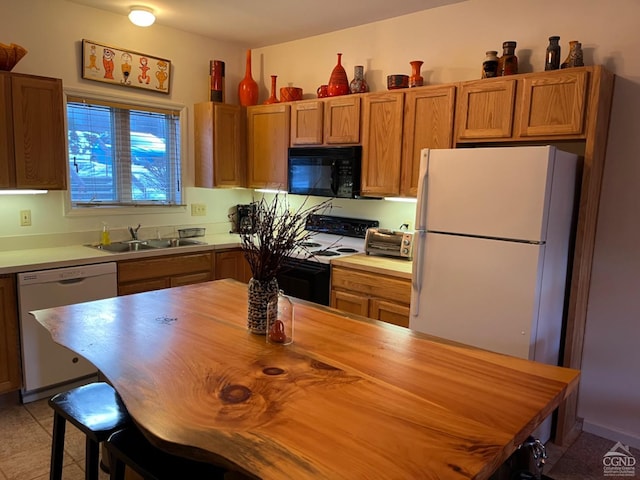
<point x="105" y="238"/>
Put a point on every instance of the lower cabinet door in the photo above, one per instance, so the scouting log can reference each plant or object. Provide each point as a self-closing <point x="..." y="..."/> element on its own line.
<point x="351" y="303"/>
<point x="389" y="312"/>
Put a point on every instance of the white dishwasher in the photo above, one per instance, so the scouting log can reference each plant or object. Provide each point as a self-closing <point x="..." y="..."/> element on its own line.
<point x="49" y="368"/>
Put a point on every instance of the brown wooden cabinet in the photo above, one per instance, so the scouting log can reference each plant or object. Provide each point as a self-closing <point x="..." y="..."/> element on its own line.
<point x="268" y="142"/>
<point x="329" y="121"/>
<point x="553" y="105"/>
<point x="524" y="107"/>
<point x="232" y="264"/>
<point x="32" y="133"/>
<point x="153" y="273"/>
<point x="10" y="378"/>
<point x="381" y="144"/>
<point x="307" y="122"/>
<point x="485" y="109"/>
<point x="428" y="123"/>
<point x="220" y="145"/>
<point x="569" y="107"/>
<point x="342" y="120"/>
<point x="377" y="296"/>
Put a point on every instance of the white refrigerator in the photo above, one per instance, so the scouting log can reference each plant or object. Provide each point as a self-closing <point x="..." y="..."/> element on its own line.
<point x="493" y="229"/>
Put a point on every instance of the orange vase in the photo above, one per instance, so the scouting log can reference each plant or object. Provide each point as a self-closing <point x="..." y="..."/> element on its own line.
<point x="338" y="82"/>
<point x="248" y="88"/>
<point x="272" y="98"/>
<point x="416" y="80"/>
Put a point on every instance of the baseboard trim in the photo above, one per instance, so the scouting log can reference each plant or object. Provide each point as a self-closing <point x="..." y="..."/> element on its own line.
<point x="611" y="434"/>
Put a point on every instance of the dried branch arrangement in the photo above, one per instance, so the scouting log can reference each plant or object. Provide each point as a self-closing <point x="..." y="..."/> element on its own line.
<point x="277" y="233"/>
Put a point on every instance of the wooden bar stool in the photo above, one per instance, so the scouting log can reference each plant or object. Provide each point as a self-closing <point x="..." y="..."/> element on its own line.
<point x="130" y="448"/>
<point x="97" y="411"/>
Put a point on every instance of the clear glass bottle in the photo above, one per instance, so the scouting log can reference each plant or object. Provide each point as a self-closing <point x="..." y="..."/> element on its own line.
<point x="552" y="59"/>
<point x="490" y="64"/>
<point x="508" y="62"/>
<point x="280" y="319"/>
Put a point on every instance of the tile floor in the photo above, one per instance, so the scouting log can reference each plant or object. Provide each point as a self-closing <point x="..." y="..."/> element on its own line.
<point x="25" y="448"/>
<point x="25" y="443"/>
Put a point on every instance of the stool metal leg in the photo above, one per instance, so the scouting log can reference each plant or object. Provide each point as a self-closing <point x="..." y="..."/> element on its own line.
<point x="57" y="447"/>
<point x="91" y="460"/>
<point x="116" y="467"/>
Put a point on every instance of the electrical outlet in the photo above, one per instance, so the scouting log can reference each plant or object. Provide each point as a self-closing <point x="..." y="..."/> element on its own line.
<point x="25" y="218"/>
<point x="198" y="209"/>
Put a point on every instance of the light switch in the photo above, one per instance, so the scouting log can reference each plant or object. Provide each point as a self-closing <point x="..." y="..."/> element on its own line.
<point x="25" y="218"/>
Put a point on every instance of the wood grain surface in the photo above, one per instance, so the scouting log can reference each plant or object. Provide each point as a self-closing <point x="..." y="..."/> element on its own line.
<point x="350" y="398"/>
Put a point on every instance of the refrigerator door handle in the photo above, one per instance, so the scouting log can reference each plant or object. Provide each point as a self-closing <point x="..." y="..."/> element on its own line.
<point x="421" y="206"/>
<point x="416" y="279"/>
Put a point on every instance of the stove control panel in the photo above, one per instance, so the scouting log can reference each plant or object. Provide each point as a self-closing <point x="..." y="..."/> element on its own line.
<point x="348" y="227"/>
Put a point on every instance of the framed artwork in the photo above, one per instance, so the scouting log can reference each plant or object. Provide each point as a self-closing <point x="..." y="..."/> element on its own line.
<point x="104" y="63"/>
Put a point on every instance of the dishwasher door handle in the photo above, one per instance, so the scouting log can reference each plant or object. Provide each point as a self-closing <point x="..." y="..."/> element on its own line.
<point x="69" y="281"/>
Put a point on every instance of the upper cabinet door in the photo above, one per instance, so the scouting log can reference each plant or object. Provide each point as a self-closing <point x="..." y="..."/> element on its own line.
<point x="220" y="145"/>
<point x="307" y="122"/>
<point x="382" y="144"/>
<point x="39" y="132"/>
<point x="268" y="144"/>
<point x="485" y="109"/>
<point x="342" y="120"/>
<point x="7" y="164"/>
<point x="554" y="103"/>
<point x="428" y="123"/>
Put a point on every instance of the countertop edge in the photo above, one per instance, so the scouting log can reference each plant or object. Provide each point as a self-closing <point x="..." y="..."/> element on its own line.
<point x="376" y="264"/>
<point x="19" y="261"/>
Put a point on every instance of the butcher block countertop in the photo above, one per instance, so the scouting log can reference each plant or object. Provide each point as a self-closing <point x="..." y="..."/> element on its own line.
<point x="376" y="264"/>
<point x="350" y="398"/>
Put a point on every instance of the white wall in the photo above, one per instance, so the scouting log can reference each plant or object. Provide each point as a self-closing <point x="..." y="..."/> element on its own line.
<point x="451" y="41"/>
<point x="52" y="31"/>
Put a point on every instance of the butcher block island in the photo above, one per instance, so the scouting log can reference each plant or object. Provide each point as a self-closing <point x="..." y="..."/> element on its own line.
<point x="350" y="398"/>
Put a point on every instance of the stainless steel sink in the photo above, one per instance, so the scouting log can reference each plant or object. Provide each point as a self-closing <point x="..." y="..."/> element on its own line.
<point x="173" y="242"/>
<point x="121" y="247"/>
<point x="137" y="245"/>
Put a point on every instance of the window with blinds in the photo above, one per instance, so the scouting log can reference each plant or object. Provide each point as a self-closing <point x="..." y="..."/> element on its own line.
<point x="122" y="155"/>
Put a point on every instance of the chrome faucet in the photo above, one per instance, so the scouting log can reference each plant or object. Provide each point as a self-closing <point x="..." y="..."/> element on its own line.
<point x="134" y="232"/>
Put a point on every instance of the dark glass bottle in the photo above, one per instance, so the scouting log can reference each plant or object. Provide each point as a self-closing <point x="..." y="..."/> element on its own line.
<point x="490" y="64"/>
<point x="552" y="60"/>
<point x="508" y="62"/>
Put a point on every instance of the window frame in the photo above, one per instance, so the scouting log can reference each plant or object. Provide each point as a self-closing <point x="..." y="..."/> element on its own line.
<point x="91" y="210"/>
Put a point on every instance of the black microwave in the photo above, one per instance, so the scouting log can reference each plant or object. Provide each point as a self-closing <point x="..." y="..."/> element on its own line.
<point x="325" y="171"/>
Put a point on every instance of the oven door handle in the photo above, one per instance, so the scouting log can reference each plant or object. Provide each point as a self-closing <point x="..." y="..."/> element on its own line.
<point x="334" y="178"/>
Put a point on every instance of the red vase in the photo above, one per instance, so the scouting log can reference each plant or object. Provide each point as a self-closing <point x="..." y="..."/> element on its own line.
<point x="416" y="80"/>
<point x="272" y="98"/>
<point x="248" y="88"/>
<point x="338" y="82"/>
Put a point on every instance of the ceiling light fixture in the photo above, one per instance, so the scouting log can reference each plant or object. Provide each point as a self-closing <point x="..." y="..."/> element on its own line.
<point x="141" y="16"/>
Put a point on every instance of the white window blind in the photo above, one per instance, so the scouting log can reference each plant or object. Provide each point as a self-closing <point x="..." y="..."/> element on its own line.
<point x="123" y="155"/>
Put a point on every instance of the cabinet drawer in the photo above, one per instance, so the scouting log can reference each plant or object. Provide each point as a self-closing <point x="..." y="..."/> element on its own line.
<point x="143" y="286"/>
<point x="387" y="288"/>
<point x="189" y="279"/>
<point x="172" y="265"/>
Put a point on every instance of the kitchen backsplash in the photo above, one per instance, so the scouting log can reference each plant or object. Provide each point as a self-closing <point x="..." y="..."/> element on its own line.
<point x="52" y="227"/>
